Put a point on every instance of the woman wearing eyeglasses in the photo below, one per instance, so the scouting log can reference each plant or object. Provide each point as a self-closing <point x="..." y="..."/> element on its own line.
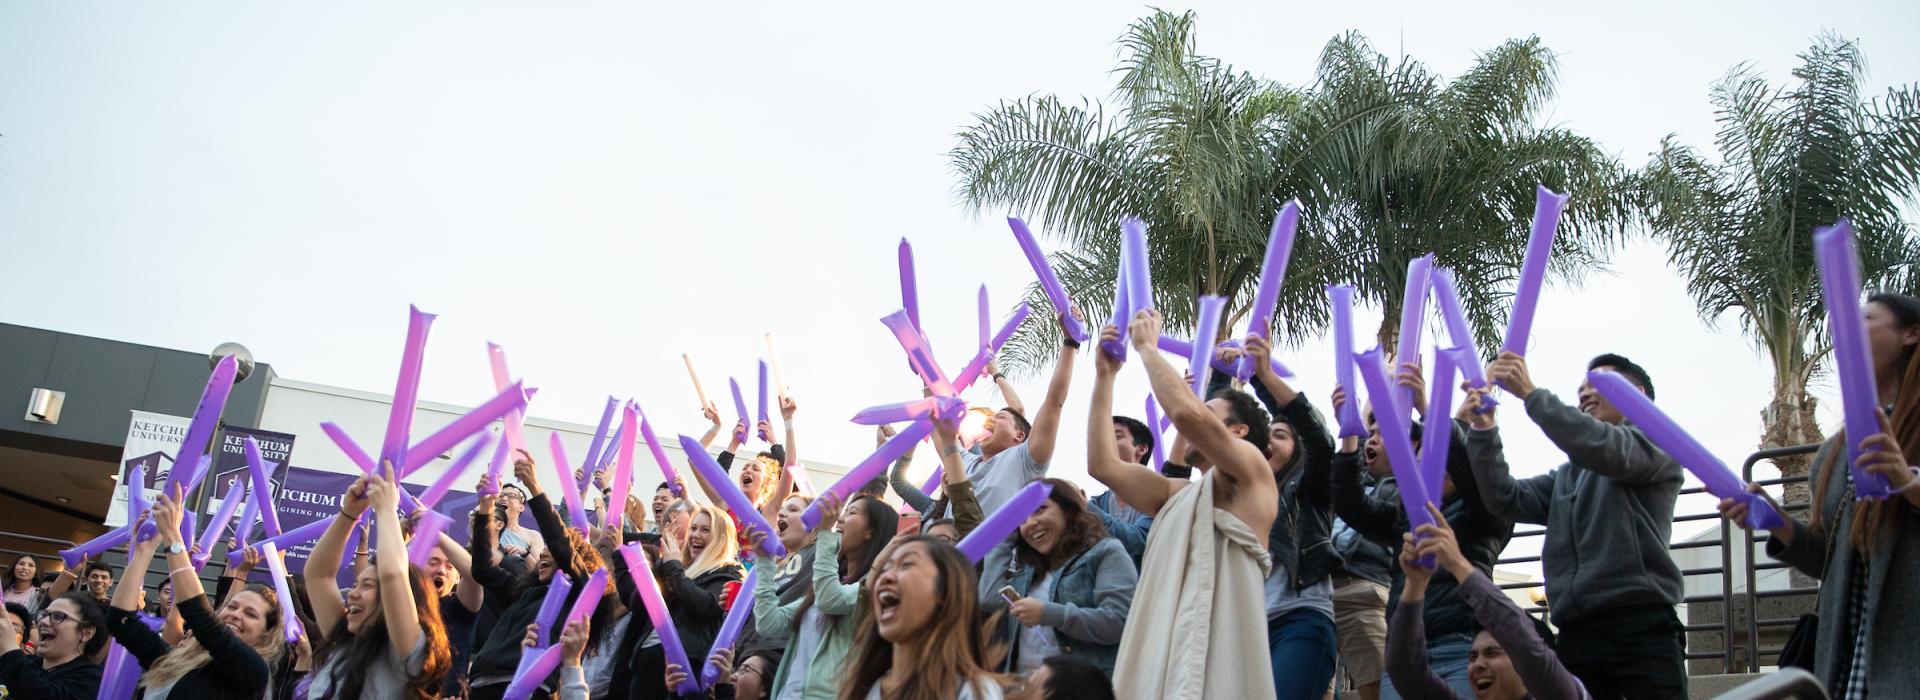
<point x="72" y="629"/>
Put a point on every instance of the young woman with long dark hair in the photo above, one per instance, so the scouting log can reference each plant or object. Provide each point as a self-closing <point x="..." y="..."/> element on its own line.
<point x="1866" y="552"/>
<point x="230" y="654"/>
<point x="20" y="583"/>
<point x="1073" y="582"/>
<point x="921" y="638"/>
<point x="820" y="626"/>
<point x="386" y="640"/>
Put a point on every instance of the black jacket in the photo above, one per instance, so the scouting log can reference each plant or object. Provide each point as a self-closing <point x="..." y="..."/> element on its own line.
<point x="697" y="606"/>
<point x="235" y="671"/>
<point x="24" y="679"/>
<point x="1481" y="534"/>
<point x="498" y="655"/>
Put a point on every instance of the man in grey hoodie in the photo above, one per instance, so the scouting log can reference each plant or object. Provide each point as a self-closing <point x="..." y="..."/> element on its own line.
<point x="1608" y="512"/>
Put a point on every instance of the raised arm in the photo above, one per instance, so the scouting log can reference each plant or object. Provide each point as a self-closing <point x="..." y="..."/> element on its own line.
<point x="782" y="487"/>
<point x="1144" y="489"/>
<point x="552" y="532"/>
<point x="897" y="476"/>
<point x="1532" y="659"/>
<point x="1007" y="394"/>
<point x="713" y="416"/>
<point x="1619" y="452"/>
<point x="392" y="569"/>
<point x="1197" y="424"/>
<point x="322" y="563"/>
<point x="955" y="486"/>
<point x="495" y="582"/>
<point x="1046" y="421"/>
<point x="725" y="460"/>
<point x="469" y="592"/>
<point x="123" y="620"/>
<point x="830" y="595"/>
<point x="1524" y="500"/>
<point x="770" y="618"/>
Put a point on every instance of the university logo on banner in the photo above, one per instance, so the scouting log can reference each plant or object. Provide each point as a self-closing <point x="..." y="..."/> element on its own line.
<point x="230" y="464"/>
<point x="152" y="440"/>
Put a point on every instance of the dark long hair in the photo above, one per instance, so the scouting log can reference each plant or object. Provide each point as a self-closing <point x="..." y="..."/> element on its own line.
<point x="1083" y="530"/>
<point x="955" y="648"/>
<point x="360" y="652"/>
<point x="7" y="581"/>
<point x="855" y="566"/>
<point x="1875" y="519"/>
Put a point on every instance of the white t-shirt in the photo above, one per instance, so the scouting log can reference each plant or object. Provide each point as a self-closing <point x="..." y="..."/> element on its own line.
<point x="996" y="480"/>
<point x="1037" y="642"/>
<point x="813" y="626"/>
<point x="981" y="690"/>
<point x="384" y="679"/>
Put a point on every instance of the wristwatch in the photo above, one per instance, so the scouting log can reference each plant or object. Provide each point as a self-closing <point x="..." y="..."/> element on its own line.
<point x="175" y="548"/>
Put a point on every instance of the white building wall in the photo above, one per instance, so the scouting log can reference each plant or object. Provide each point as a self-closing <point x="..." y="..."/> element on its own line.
<point x="299" y="407"/>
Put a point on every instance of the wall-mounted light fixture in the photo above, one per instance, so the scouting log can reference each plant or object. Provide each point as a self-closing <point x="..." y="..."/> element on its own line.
<point x="43" y="406"/>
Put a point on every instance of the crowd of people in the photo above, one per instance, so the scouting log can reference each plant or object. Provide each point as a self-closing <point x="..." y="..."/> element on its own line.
<point x="1261" y="558"/>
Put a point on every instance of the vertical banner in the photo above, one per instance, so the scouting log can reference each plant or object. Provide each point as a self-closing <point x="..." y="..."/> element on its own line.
<point x="152" y="439"/>
<point x="230" y="463"/>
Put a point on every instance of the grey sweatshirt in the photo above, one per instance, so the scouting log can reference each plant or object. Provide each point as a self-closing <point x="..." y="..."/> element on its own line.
<point x="1608" y="510"/>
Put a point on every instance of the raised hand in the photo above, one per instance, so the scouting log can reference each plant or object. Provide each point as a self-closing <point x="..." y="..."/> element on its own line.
<point x="1438" y="540"/>
<point x="354" y="502"/>
<point x="1510" y="371"/>
<point x="712" y="414"/>
<point x="788" y="408"/>
<point x="1881" y="454"/>
<point x="1411" y="377"/>
<point x="523" y="469"/>
<point x="384" y="492"/>
<point x="830" y="504"/>
<point x="573" y="642"/>
<point x="1144" y="330"/>
<point x="1106" y="365"/>
<point x="1470" y="409"/>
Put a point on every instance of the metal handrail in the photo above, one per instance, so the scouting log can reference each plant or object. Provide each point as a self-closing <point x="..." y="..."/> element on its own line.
<point x="10" y="535"/>
<point x="1725" y="569"/>
<point x="1753" y="567"/>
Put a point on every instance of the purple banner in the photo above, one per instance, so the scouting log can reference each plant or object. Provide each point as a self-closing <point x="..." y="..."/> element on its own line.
<point x="310" y="495"/>
<point x="230" y="463"/>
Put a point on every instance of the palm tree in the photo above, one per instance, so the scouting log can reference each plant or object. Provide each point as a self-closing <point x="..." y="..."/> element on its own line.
<point x="1792" y="158"/>
<point x="1389" y="164"/>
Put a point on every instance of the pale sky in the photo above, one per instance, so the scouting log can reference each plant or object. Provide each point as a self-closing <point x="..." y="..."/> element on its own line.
<point x="602" y="186"/>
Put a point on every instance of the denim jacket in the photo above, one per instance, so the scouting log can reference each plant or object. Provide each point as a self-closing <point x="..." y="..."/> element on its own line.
<point x="1088" y="609"/>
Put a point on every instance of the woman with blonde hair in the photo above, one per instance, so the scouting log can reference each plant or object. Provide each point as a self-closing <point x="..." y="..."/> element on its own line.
<point x="231" y="652"/>
<point x="693" y="580"/>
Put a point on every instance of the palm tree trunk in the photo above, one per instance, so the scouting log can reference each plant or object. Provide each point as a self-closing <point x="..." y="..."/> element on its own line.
<point x="1786" y="421"/>
<point x="1389" y="335"/>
